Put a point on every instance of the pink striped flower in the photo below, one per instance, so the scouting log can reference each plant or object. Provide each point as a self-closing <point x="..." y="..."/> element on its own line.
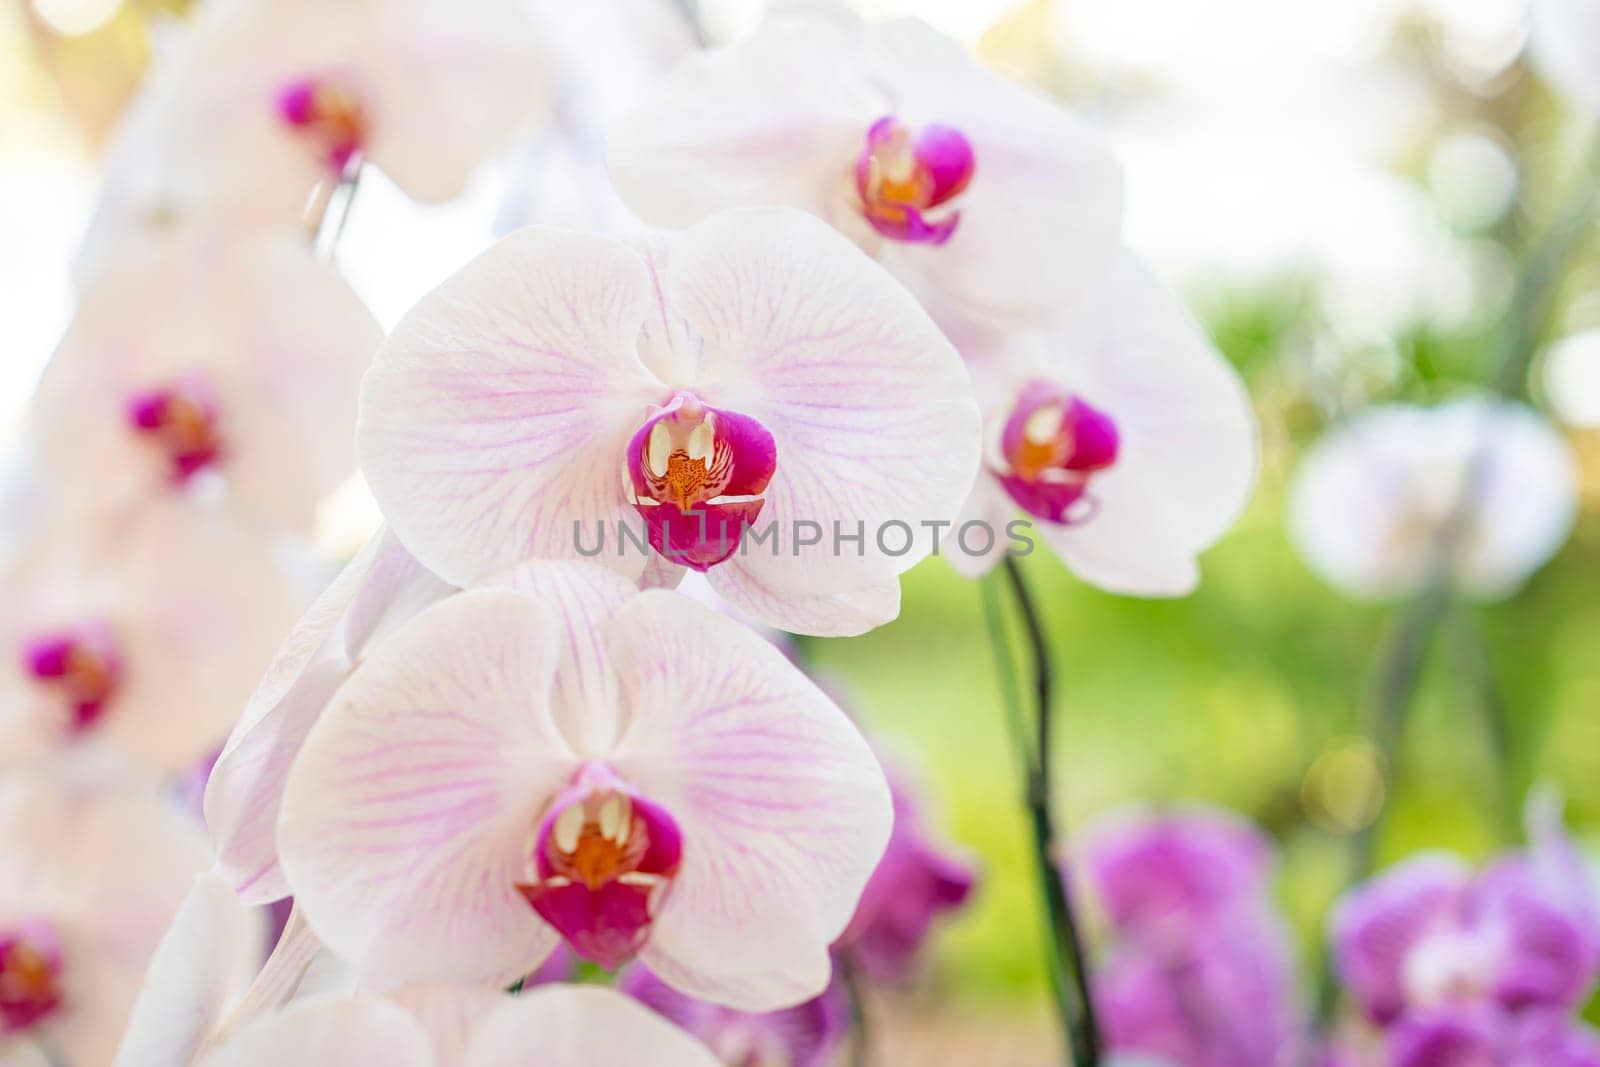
<point x="198" y="361"/>
<point x="143" y="636"/>
<point x="1122" y="440"/>
<point x="632" y="774"/>
<point x="757" y="401"/>
<point x="91" y="878"/>
<point x="989" y="202"/>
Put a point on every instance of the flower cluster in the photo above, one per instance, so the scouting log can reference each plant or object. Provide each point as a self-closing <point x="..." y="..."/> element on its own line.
<point x="1446" y="965"/>
<point x="1198" y="969"/>
<point x="193" y="417"/>
<point x="501" y="740"/>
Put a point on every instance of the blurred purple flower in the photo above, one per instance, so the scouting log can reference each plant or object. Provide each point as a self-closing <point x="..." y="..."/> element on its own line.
<point x="1520" y="935"/>
<point x="1221" y="998"/>
<point x="1482" y="1035"/>
<point x="1150" y="869"/>
<point x="806" y="1035"/>
<point x="1200" y="971"/>
<point x="914" y="884"/>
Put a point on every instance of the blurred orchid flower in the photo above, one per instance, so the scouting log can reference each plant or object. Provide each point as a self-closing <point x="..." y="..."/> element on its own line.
<point x="1190" y="865"/>
<point x="379" y="590"/>
<point x="809" y="1034"/>
<point x="1224" y="996"/>
<point x="634" y="774"/>
<point x="198" y="359"/>
<point x="437" y="1026"/>
<point x="916" y="883"/>
<point x="1521" y="935"/>
<point x="262" y="104"/>
<point x="988" y="202"/>
<point x="564" y="388"/>
<point x="1565" y="48"/>
<point x="143" y="637"/>
<point x="1372" y="499"/>
<point x="90" y="879"/>
<point x="1469" y="1034"/>
<point x="1199" y="969"/>
<point x="1123" y="436"/>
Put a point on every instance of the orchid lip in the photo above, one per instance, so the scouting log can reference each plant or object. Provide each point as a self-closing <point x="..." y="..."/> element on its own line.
<point x="181" y="422"/>
<point x="906" y="179"/>
<point x="328" y="113"/>
<point x="82" y="665"/>
<point x="1052" y="445"/>
<point x="30" y="975"/>
<point x="698" y="476"/>
<point x="603" y="865"/>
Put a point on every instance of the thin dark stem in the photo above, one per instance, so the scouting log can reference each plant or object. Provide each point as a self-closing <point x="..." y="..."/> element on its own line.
<point x="1049" y="855"/>
<point x="1006" y="669"/>
<point x="860" y="1017"/>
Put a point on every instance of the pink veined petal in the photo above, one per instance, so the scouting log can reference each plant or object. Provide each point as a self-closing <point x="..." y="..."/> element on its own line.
<point x="407" y="818"/>
<point x="495" y="417"/>
<point x="1041" y="221"/>
<point x="451" y="1015"/>
<point x="328" y="1030"/>
<point x="582" y="596"/>
<point x="870" y="407"/>
<point x="750" y="125"/>
<point x="582" y="1026"/>
<point x="822" y="615"/>
<point x="208" y="955"/>
<point x="783" y="808"/>
<point x="381" y="588"/>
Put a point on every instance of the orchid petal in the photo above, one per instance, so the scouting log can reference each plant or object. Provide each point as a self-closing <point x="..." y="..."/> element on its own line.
<point x="451" y="1015"/>
<point x="382" y="587"/>
<point x="751" y="125"/>
<point x="209" y="953"/>
<point x="328" y="1031"/>
<point x="869" y="406"/>
<point x="1042" y="219"/>
<point x="408" y="816"/>
<point x="494" y="420"/>
<point x="783" y="808"/>
<point x="582" y="1026"/>
<point x="847" y="614"/>
<point x="1376" y="925"/>
<point x="582" y="596"/>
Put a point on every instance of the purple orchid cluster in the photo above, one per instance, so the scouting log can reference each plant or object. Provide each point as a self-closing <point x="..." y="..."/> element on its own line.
<point x="1198" y="969"/>
<point x="1450" y="967"/>
<point x="1440" y="965"/>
